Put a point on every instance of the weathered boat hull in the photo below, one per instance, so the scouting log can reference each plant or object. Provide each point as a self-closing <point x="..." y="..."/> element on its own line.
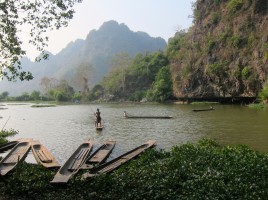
<point x="72" y="165"/>
<point x="43" y="156"/>
<point x="8" y="146"/>
<point x="117" y="162"/>
<point x="148" y="117"/>
<point x="17" y="154"/>
<point x="200" y="110"/>
<point x="99" y="156"/>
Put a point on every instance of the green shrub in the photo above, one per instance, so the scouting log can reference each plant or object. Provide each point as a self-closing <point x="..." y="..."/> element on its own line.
<point x="237" y="41"/>
<point x="215" y="18"/>
<point x="217" y="68"/>
<point x="246" y="72"/>
<point x="6" y="133"/>
<point x="211" y="46"/>
<point x="264" y="92"/>
<point x="234" y="5"/>
<point x="188" y="171"/>
<point x="256" y="106"/>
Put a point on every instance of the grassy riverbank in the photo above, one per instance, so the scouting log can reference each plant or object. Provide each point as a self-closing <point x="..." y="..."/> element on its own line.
<point x="190" y="171"/>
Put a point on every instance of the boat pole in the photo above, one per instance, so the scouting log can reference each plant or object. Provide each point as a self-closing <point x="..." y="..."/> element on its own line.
<point x="5" y="123"/>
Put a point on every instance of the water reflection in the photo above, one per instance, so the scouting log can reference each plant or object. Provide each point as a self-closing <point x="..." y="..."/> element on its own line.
<point x="62" y="128"/>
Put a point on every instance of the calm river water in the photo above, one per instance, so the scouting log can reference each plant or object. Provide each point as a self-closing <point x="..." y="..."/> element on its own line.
<point x="63" y="128"/>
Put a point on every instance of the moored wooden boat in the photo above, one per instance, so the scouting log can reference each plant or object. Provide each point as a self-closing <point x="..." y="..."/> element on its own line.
<point x="146" y="117"/>
<point x="117" y="162"/>
<point x="8" y="146"/>
<point x="72" y="165"/>
<point x="17" y="154"/>
<point x="99" y="156"/>
<point x="43" y="156"/>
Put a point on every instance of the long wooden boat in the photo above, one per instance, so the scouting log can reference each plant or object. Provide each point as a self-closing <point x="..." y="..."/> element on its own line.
<point x="146" y="117"/>
<point x="99" y="156"/>
<point x="17" y="154"/>
<point x="8" y="146"/>
<point x="70" y="167"/>
<point x="117" y="162"/>
<point x="200" y="110"/>
<point x="43" y="156"/>
<point x="149" y="117"/>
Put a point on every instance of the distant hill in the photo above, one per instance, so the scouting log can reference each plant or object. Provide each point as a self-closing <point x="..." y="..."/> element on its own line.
<point x="225" y="52"/>
<point x="95" y="52"/>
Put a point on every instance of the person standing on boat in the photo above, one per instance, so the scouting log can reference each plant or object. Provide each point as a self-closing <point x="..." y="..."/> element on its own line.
<point x="98" y="118"/>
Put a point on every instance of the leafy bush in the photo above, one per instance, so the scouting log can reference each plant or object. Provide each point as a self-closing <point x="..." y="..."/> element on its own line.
<point x="234" y="5"/>
<point x="161" y="89"/>
<point x="6" y="133"/>
<point x="217" y="68"/>
<point x="246" y="72"/>
<point x="216" y="18"/>
<point x="257" y="106"/>
<point x="264" y="92"/>
<point x="211" y="45"/>
<point x="237" y="41"/>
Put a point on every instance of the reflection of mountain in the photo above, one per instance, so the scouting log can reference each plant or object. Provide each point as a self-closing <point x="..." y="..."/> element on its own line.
<point x="96" y="50"/>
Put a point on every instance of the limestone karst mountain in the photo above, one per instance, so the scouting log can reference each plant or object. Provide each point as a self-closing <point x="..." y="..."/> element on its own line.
<point x="93" y="53"/>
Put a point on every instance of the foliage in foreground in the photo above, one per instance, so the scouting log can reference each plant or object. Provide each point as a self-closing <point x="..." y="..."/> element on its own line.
<point x="39" y="16"/>
<point x="6" y="133"/>
<point x="202" y="171"/>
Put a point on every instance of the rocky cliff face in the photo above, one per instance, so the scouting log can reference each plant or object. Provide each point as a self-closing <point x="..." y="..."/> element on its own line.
<point x="225" y="52"/>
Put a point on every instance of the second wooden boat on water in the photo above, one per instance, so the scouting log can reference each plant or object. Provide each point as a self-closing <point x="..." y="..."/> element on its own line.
<point x="17" y="154"/>
<point x="72" y="165"/>
<point x="206" y="109"/>
<point x="117" y="162"/>
<point x="99" y="156"/>
<point x="145" y="117"/>
<point x="43" y="156"/>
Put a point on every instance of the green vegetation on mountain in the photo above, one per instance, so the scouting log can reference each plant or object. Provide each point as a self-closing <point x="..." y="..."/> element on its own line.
<point x="94" y="54"/>
<point x="224" y="53"/>
<point x="133" y="80"/>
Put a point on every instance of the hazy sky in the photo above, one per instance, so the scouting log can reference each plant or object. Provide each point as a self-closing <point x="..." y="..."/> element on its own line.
<point x="158" y="18"/>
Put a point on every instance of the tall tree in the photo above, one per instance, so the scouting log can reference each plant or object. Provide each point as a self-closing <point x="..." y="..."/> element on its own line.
<point x="122" y="61"/>
<point x="40" y="16"/>
<point x="82" y="77"/>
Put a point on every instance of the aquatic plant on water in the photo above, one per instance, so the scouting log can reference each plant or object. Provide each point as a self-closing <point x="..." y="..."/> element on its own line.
<point x="204" y="170"/>
<point x="4" y="133"/>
